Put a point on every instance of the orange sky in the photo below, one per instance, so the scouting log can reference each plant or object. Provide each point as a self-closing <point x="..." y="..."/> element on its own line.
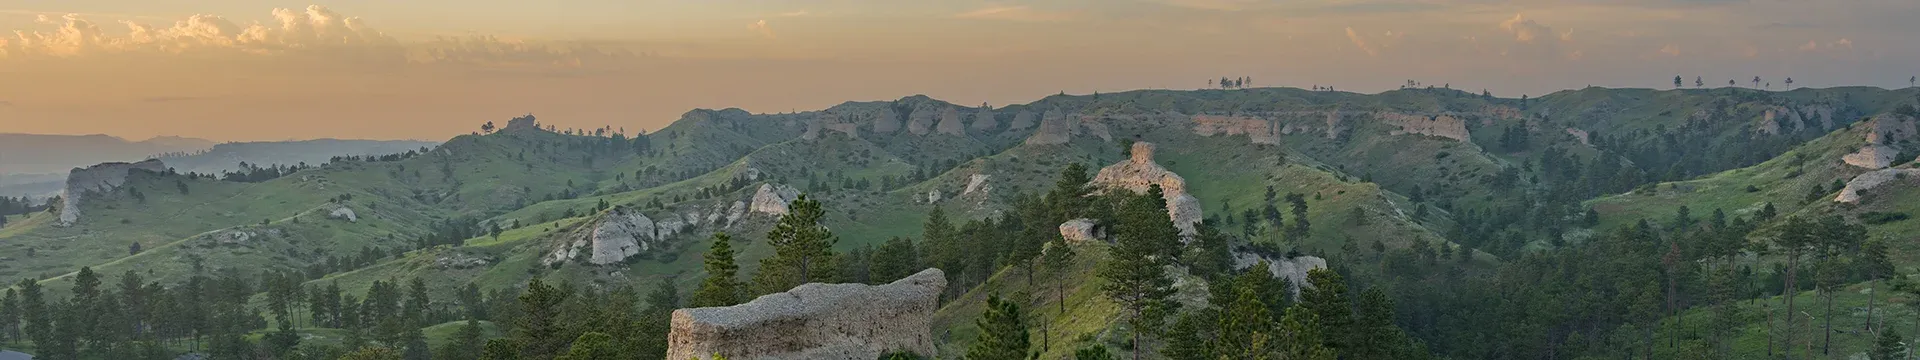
<point x="429" y="69"/>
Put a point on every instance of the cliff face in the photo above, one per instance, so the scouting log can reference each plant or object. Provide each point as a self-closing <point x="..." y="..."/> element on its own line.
<point x="1139" y="173"/>
<point x="950" y="123"/>
<point x="1445" y="126"/>
<point x="1870" y="180"/>
<point x="815" y="321"/>
<point x="1261" y="131"/>
<point x="92" y="180"/>
<point x="773" y="199"/>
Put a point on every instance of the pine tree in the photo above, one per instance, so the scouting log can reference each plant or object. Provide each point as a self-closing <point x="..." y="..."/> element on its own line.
<point x="1888" y="347"/>
<point x="1003" y="332"/>
<point x="592" y="346"/>
<point x="10" y="317"/>
<point x="1327" y="299"/>
<point x="501" y="349"/>
<point x="894" y="260"/>
<point x="721" y="288"/>
<point x="467" y="344"/>
<point x="1095" y="352"/>
<point x="1300" y="336"/>
<point x="1135" y="272"/>
<point x="537" y="331"/>
<point x="1246" y="330"/>
<point x="802" y="248"/>
<point x="1875" y="262"/>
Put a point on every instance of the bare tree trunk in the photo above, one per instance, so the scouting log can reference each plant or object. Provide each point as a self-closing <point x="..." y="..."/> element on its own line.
<point x="1827" y="346"/>
<point x="1793" y="266"/>
<point x="1873" y="291"/>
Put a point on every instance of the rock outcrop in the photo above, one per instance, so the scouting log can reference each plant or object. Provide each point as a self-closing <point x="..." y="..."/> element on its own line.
<point x="1580" y="135"/>
<point x="1261" y="131"/>
<point x="885" y="121"/>
<point x="1884" y="133"/>
<point x="619" y="234"/>
<point x="983" y="120"/>
<point x="1445" y="126"/>
<point x="1139" y="172"/>
<point x="1022" y="121"/>
<point x="950" y="123"/>
<point x="1079" y="231"/>
<point x="815" y="321"/>
<point x="98" y="179"/>
<point x="1294" y="270"/>
<point x="773" y="199"/>
<point x="522" y="123"/>
<point x="1870" y="180"/>
<point x="1057" y="127"/>
<point x="344" y="213"/>
<point x="977" y="182"/>
<point x="921" y="120"/>
<point x="1873" y="156"/>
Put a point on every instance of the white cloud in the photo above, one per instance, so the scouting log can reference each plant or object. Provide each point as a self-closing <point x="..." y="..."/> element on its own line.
<point x="794" y="14"/>
<point x="1526" y="30"/>
<point x="1014" y="13"/>
<point x="1361" y="42"/>
<point x="1670" y="50"/>
<point x="1220" y="5"/>
<point x="761" y="27"/>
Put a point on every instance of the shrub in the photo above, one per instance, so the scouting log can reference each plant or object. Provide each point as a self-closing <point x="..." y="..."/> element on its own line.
<point x="1877" y="218"/>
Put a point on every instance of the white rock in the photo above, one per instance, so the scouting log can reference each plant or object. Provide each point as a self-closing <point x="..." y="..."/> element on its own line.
<point x="92" y="180"/>
<point x="816" y="321"/>
<point x="1139" y="173"/>
<point x="1294" y="270"/>
<point x="1078" y="231"/>
<point x="1870" y="180"/>
<point x="773" y="199"/>
<point x="344" y="213"/>
<point x="976" y="182"/>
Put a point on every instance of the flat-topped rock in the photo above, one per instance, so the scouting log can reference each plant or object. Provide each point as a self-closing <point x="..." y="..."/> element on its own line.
<point x="90" y="181"/>
<point x="815" y="321"/>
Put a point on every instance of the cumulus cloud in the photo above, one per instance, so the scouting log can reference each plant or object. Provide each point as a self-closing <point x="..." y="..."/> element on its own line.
<point x="315" y="28"/>
<point x="1361" y="42"/>
<point x="1531" y="38"/>
<point x="761" y="27"/>
<point x="1014" y="13"/>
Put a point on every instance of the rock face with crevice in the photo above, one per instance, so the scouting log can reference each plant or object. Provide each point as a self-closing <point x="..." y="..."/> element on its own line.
<point x="83" y="183"/>
<point x="1884" y="134"/>
<point x="619" y="234"/>
<point x="1139" y="172"/>
<point x="815" y="321"/>
<point x="1079" y="231"/>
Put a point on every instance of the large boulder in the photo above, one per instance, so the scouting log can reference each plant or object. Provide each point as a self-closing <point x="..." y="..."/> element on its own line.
<point x="1079" y="231"/>
<point x="98" y="179"/>
<point x="1870" y="180"/>
<point x="1294" y="269"/>
<point x="772" y="199"/>
<point x="815" y="321"/>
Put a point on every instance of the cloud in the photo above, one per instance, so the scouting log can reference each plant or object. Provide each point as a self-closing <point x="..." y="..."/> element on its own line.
<point x="794" y="14"/>
<point x="1219" y="5"/>
<point x="1526" y="30"/>
<point x="1361" y="42"/>
<point x="1021" y="13"/>
<point x="761" y="27"/>
<point x="1670" y="50"/>
<point x="1810" y="46"/>
<point x="316" y="28"/>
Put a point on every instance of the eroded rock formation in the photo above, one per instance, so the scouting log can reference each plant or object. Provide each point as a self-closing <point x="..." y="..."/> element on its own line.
<point x="983" y="120"/>
<point x="1022" y="120"/>
<point x="1057" y="127"/>
<point x="619" y="234"/>
<point x="522" y="123"/>
<point x="1294" y="270"/>
<point x="1079" y="230"/>
<point x="344" y="213"/>
<point x="773" y="199"/>
<point x="1445" y="126"/>
<point x="1139" y="172"/>
<point x="921" y="121"/>
<point x="1884" y="134"/>
<point x="815" y="321"/>
<point x="1261" y="131"/>
<point x="950" y="123"/>
<point x="1870" y="180"/>
<point x="83" y="183"/>
<point x="977" y="182"/>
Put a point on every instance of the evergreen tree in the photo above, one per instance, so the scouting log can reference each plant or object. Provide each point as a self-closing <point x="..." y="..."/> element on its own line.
<point x="502" y="349"/>
<point x="1212" y="255"/>
<point x="1135" y="272"/>
<point x="10" y="317"/>
<point x="1327" y="299"/>
<point x="802" y="248"/>
<point x="1300" y="336"/>
<point x="1888" y="347"/>
<point x="1246" y="330"/>
<point x="1095" y="352"/>
<point x="1003" y="332"/>
<point x="536" y="331"/>
<point x="372" y="353"/>
<point x="467" y="344"/>
<point x="894" y="260"/>
<point x="721" y="287"/>
<point x="593" y="346"/>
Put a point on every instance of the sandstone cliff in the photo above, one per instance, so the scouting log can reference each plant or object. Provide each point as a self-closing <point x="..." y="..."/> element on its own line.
<point x="1445" y="126"/>
<point x="1022" y="121"/>
<point x="1139" y="172"/>
<point x="885" y="121"/>
<point x="522" y="123"/>
<point x="1294" y="270"/>
<point x="1259" y="130"/>
<point x="95" y="180"/>
<point x="815" y="321"/>
<point x="921" y="120"/>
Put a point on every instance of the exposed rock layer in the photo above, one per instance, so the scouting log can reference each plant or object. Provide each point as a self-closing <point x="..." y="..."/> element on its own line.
<point x="1139" y="172"/>
<point x="98" y="179"/>
<point x="815" y="321"/>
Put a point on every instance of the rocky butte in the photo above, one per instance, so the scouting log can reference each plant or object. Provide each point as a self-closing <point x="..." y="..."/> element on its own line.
<point x="815" y="321"/>
<point x="97" y="179"/>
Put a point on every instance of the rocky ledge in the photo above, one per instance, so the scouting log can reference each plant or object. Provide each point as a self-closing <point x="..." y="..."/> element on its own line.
<point x="815" y="321"/>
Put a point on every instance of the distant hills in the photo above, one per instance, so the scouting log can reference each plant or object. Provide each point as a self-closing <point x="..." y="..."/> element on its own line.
<point x="47" y="154"/>
<point x="35" y="164"/>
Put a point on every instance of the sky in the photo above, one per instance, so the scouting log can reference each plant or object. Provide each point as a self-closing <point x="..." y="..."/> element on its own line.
<point x="248" y="70"/>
